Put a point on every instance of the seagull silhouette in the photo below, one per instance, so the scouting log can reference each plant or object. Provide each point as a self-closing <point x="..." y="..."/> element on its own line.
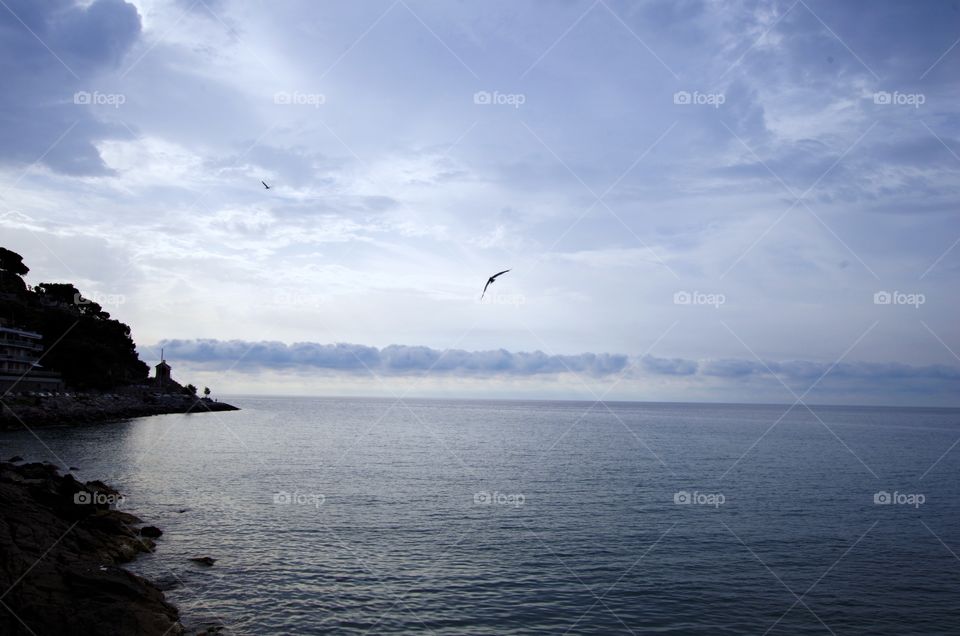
<point x="490" y="282"/>
<point x="265" y="185"/>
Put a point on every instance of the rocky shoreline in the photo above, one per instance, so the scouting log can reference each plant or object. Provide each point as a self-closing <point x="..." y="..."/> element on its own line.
<point x="51" y="410"/>
<point x="61" y="544"/>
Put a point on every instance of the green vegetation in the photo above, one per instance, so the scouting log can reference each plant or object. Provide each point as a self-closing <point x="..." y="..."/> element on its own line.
<point x="87" y="347"/>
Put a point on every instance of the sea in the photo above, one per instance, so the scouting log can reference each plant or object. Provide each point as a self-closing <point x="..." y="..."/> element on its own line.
<point x="411" y="516"/>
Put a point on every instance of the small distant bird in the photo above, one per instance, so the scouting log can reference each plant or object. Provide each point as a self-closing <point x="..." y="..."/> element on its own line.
<point x="490" y="282"/>
<point x="265" y="184"/>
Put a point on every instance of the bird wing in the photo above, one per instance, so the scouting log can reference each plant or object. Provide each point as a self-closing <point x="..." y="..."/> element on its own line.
<point x="265" y="185"/>
<point x="499" y="273"/>
<point x="487" y="285"/>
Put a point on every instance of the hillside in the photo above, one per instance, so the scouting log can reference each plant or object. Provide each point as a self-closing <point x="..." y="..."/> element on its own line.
<point x="82" y="342"/>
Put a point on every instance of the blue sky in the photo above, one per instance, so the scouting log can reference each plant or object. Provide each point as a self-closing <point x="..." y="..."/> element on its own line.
<point x="697" y="200"/>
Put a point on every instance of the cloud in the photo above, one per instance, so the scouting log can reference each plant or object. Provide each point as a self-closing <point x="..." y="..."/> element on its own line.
<point x="399" y="360"/>
<point x="48" y="52"/>
<point x="668" y="366"/>
<point x="391" y="360"/>
<point x="732" y="368"/>
<point x="808" y="371"/>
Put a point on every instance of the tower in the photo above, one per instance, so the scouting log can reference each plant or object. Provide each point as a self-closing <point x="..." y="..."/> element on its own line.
<point x="162" y="371"/>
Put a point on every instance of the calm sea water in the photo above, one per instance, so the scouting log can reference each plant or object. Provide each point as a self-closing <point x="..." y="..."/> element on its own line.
<point x="468" y="517"/>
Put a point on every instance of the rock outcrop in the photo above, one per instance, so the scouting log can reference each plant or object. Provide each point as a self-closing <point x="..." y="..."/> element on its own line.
<point x="61" y="544"/>
<point x="90" y="408"/>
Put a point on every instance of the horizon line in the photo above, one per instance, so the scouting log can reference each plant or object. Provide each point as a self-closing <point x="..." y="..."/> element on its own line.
<point x="581" y="401"/>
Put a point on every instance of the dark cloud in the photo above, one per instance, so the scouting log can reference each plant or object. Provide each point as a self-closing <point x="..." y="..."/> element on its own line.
<point x="731" y="368"/>
<point x="668" y="366"/>
<point x="805" y="370"/>
<point x="413" y="360"/>
<point x="391" y="360"/>
<point x="100" y="34"/>
<point x="48" y="52"/>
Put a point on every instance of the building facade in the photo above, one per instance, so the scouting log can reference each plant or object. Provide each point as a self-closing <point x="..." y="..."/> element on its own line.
<point x="20" y="368"/>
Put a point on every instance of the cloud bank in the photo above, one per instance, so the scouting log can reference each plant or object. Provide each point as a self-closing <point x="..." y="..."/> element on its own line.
<point x="391" y="360"/>
<point x="399" y="360"/>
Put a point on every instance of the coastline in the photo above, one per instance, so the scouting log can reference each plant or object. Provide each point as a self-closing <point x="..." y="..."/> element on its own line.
<point x="91" y="408"/>
<point x="62" y="545"/>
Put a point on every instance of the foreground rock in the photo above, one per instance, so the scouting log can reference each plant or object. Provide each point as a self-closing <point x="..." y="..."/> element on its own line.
<point x="90" y="408"/>
<point x="60" y="546"/>
<point x="208" y="561"/>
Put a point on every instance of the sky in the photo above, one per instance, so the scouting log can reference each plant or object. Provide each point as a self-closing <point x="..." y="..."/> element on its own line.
<point x="746" y="201"/>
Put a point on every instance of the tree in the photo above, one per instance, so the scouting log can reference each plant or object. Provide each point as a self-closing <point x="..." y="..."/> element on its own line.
<point x="206" y="391"/>
<point x="11" y="270"/>
<point x="88" y="348"/>
<point x="190" y="390"/>
<point x="61" y="293"/>
<point x="12" y="262"/>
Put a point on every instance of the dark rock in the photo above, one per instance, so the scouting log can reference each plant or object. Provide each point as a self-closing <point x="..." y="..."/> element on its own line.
<point x="168" y="582"/>
<point x="150" y="531"/>
<point x="204" y="560"/>
<point x="83" y="409"/>
<point x="59" y="561"/>
<point x="15" y="458"/>
<point x="101" y="487"/>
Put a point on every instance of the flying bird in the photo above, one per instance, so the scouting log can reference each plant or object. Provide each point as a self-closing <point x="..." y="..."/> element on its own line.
<point x="265" y="184"/>
<point x="490" y="281"/>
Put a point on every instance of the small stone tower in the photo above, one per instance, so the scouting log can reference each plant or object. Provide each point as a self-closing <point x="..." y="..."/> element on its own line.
<point x="162" y="371"/>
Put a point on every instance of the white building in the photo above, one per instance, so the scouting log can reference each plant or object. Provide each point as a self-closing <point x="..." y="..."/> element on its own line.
<point x="20" y="368"/>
